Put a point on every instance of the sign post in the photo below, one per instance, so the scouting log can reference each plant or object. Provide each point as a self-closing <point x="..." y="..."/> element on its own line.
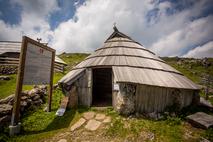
<point x="35" y="68"/>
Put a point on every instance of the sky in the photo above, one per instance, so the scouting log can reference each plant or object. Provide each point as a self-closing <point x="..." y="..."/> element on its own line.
<point x="167" y="27"/>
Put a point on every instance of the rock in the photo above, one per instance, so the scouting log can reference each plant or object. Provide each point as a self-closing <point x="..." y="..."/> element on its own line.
<point x="23" y="103"/>
<point x="153" y="115"/>
<point x="37" y="102"/>
<point x="55" y="86"/>
<point x="4" y="78"/>
<point x="25" y="93"/>
<point x="5" y="109"/>
<point x="36" y="97"/>
<point x="151" y="136"/>
<point x="7" y="99"/>
<point x="126" y="99"/>
<point x="62" y="140"/>
<point x="78" y="124"/>
<point x="8" y="70"/>
<point x="107" y="119"/>
<point x="29" y="101"/>
<point x="45" y="109"/>
<point x="203" y="140"/>
<point x="23" y="97"/>
<point x="89" y="115"/>
<point x="100" y="116"/>
<point x="92" y="125"/>
<point x="5" y="119"/>
<point x="43" y="87"/>
<point x="33" y="92"/>
<point x="201" y="119"/>
<point x="205" y="103"/>
<point x="146" y="136"/>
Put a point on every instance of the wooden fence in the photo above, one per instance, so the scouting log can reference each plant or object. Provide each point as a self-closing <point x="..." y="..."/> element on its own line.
<point x="5" y="61"/>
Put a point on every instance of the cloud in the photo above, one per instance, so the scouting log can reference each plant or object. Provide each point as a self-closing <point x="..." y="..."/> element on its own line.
<point x="205" y="50"/>
<point x="180" y="41"/>
<point x="34" y="20"/>
<point x="93" y="22"/>
<point x="163" y="27"/>
<point x="167" y="33"/>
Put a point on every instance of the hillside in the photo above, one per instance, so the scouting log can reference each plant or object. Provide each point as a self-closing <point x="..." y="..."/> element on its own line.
<point x="194" y="69"/>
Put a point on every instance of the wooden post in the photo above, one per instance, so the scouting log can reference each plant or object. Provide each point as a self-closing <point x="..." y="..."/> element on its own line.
<point x="51" y="83"/>
<point x="19" y="82"/>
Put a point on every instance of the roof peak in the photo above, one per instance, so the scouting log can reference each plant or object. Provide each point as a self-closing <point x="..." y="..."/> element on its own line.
<point x="115" y="28"/>
<point x="117" y="33"/>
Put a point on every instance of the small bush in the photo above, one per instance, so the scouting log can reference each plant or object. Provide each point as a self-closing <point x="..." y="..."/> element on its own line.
<point x="117" y="128"/>
<point x="209" y="134"/>
<point x="173" y="121"/>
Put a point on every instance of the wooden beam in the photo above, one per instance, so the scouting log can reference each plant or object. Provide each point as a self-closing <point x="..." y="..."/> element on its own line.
<point x="19" y="83"/>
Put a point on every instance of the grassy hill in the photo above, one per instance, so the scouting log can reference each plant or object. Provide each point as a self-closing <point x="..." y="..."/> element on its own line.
<point x="194" y="69"/>
<point x="72" y="59"/>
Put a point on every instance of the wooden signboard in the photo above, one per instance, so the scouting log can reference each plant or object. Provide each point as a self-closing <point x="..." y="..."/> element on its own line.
<point x="36" y="66"/>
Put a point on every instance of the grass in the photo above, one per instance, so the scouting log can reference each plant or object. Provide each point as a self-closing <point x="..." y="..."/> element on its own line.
<point x="192" y="70"/>
<point x="171" y="129"/>
<point x="9" y="87"/>
<point x="73" y="59"/>
<point x="38" y="125"/>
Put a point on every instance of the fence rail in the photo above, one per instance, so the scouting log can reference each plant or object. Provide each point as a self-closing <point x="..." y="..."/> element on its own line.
<point x="4" y="61"/>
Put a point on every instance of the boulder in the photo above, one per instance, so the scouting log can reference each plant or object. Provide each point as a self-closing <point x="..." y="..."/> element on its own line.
<point x="78" y="124"/>
<point x="37" y="102"/>
<point x="7" y="99"/>
<point x="89" y="115"/>
<point x="55" y="86"/>
<point x="92" y="125"/>
<point x="24" y="103"/>
<point x="126" y="99"/>
<point x="5" y="109"/>
<point x="205" y="103"/>
<point x="36" y="97"/>
<point x="33" y="92"/>
<point x="4" y="78"/>
<point x="5" y="119"/>
<point x="23" y="97"/>
<point x="201" y="119"/>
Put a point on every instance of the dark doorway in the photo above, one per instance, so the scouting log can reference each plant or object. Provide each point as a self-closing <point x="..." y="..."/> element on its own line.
<point x="102" y="87"/>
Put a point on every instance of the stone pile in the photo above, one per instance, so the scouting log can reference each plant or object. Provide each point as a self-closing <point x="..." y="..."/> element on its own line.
<point x="29" y="100"/>
<point x="4" y="78"/>
<point x="8" y="70"/>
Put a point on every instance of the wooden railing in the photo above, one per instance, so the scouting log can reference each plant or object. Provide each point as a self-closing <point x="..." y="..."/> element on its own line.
<point x="5" y="61"/>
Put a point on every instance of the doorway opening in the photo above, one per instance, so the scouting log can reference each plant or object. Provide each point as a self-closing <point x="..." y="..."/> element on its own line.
<point x="102" y="87"/>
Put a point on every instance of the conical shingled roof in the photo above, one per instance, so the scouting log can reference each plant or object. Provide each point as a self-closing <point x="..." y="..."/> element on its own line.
<point x="131" y="63"/>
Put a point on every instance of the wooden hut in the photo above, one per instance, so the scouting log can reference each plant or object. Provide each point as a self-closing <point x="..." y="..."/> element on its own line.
<point x="10" y="51"/>
<point x="129" y="77"/>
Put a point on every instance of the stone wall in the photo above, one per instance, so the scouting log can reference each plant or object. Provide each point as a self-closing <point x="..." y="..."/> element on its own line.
<point x="29" y="100"/>
<point x="124" y="99"/>
<point x="8" y="70"/>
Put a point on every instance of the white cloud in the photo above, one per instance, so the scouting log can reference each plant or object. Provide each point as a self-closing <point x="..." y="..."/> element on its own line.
<point x="93" y="22"/>
<point x="34" y="20"/>
<point x="167" y="34"/>
<point x="205" y="50"/>
<point x="194" y="33"/>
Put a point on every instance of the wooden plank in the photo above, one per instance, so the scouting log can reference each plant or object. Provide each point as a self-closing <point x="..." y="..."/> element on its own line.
<point x="51" y="82"/>
<point x="19" y="82"/>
